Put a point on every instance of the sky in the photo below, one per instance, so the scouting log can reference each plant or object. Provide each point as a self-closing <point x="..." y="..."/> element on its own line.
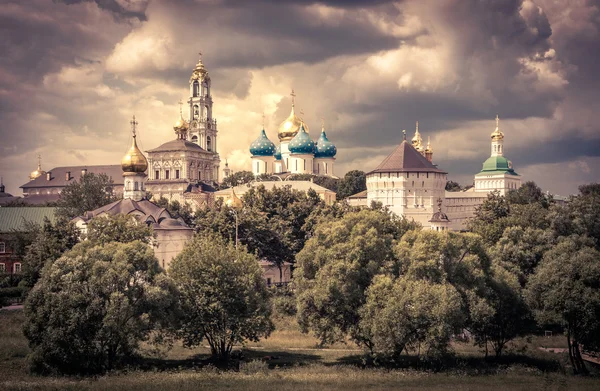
<point x="72" y="73"/>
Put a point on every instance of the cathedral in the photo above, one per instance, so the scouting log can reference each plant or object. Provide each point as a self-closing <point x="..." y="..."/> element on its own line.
<point x="296" y="153"/>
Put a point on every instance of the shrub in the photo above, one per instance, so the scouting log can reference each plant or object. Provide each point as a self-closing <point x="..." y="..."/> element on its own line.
<point x="254" y="367"/>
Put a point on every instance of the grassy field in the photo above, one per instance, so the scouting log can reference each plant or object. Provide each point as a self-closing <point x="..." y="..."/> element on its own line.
<point x="290" y="360"/>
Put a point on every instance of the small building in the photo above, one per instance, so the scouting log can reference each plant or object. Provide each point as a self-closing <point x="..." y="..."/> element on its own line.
<point x="273" y="276"/>
<point x="238" y="191"/>
<point x="13" y="220"/>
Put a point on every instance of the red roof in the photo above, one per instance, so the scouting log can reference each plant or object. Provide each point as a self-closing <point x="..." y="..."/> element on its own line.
<point x="405" y="158"/>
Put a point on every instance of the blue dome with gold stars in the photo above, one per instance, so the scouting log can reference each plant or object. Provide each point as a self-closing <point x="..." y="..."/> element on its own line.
<point x="324" y="147"/>
<point x="262" y="146"/>
<point x="301" y="143"/>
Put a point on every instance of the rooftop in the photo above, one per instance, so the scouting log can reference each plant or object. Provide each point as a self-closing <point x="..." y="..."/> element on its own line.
<point x="178" y="145"/>
<point x="405" y="158"/>
<point x="14" y="219"/>
<point x="59" y="175"/>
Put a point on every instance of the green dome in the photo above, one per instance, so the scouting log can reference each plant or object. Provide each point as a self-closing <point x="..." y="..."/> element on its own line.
<point x="324" y="147"/>
<point x="277" y="153"/>
<point x="497" y="165"/>
<point x="262" y="146"/>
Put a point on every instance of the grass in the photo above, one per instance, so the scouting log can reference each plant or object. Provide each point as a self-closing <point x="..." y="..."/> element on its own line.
<point x="291" y="360"/>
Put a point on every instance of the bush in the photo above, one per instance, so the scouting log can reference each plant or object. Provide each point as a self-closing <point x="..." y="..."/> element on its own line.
<point x="284" y="302"/>
<point x="253" y="367"/>
<point x="8" y="295"/>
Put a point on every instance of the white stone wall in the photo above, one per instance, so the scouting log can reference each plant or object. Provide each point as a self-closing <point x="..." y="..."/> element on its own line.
<point x="413" y="195"/>
<point x="169" y="243"/>
<point x="460" y="206"/>
<point x="262" y="165"/>
<point x="501" y="182"/>
<point x="301" y="164"/>
<point x="323" y="166"/>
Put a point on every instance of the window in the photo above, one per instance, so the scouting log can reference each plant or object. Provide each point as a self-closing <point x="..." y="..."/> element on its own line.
<point x="166" y="174"/>
<point x="208" y="144"/>
<point x="417" y="174"/>
<point x="156" y="174"/>
<point x="325" y="168"/>
<point x="196" y="88"/>
<point x="196" y="112"/>
<point x="413" y="183"/>
<point x="2" y="268"/>
<point x="296" y="165"/>
<point x="2" y="247"/>
<point x="195" y="139"/>
<point x="176" y="174"/>
<point x="136" y="186"/>
<point x="268" y="282"/>
<point x="304" y="160"/>
<point x="199" y="175"/>
<point x="422" y="183"/>
<point x="17" y="268"/>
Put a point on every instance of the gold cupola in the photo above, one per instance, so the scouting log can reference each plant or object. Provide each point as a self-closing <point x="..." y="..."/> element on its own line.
<point x="37" y="172"/>
<point x="199" y="70"/>
<point x="181" y="126"/>
<point x="497" y="134"/>
<point x="134" y="160"/>
<point x="417" y="141"/>
<point x="292" y="124"/>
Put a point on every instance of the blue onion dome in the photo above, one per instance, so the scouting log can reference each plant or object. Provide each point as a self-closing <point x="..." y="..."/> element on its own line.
<point x="301" y="143"/>
<point x="324" y="147"/>
<point x="278" y="152"/>
<point x="262" y="146"/>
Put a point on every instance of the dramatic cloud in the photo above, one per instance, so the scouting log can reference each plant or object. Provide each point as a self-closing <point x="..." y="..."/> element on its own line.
<point x="75" y="72"/>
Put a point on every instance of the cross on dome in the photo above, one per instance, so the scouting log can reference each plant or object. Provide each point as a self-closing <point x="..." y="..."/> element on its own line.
<point x="293" y="95"/>
<point x="134" y="124"/>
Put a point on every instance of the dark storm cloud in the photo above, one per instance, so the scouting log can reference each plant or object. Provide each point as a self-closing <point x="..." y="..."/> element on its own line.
<point x="135" y="10"/>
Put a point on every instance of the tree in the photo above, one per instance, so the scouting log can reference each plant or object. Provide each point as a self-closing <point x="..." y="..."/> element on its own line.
<point x="354" y="182"/>
<point x="409" y="315"/>
<point x="337" y="265"/>
<point x="223" y="295"/>
<point x="528" y="193"/>
<point x="489" y="221"/>
<point x="90" y="192"/>
<point x="120" y="228"/>
<point x="521" y="250"/>
<point x="500" y="313"/>
<point x="51" y="241"/>
<point x="237" y="178"/>
<point x="453" y="186"/>
<point x="94" y="305"/>
<point x="564" y="291"/>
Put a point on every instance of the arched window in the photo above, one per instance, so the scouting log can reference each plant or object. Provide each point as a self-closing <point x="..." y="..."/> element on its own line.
<point x="208" y="144"/>
<point x="196" y="89"/>
<point x="195" y="139"/>
<point x="136" y="186"/>
<point x="196" y="112"/>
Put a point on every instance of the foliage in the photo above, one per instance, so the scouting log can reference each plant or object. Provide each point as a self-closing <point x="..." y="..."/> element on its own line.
<point x="284" y="302"/>
<point x="120" y="228"/>
<point x="94" y="305"/>
<point x="500" y="313"/>
<point x="406" y="314"/>
<point x="177" y="210"/>
<point x="564" y="291"/>
<point x="90" y="192"/>
<point x="10" y="293"/>
<point x="223" y="295"/>
<point x="335" y="268"/>
<point x="453" y="186"/>
<point x="521" y="250"/>
<point x="488" y="221"/>
<point x="528" y="193"/>
<point x="51" y="241"/>
<point x="237" y="178"/>
<point x="353" y="182"/>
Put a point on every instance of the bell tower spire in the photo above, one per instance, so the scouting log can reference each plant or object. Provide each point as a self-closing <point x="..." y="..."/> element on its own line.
<point x="497" y="140"/>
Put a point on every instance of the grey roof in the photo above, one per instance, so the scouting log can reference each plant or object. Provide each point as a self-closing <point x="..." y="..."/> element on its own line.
<point x="40" y="199"/>
<point x="270" y="185"/>
<point x="59" y="175"/>
<point x="439" y="217"/>
<point x="405" y="158"/>
<point x="144" y="210"/>
<point x="6" y="198"/>
<point x="362" y="194"/>
<point x="179" y="145"/>
<point x="13" y="219"/>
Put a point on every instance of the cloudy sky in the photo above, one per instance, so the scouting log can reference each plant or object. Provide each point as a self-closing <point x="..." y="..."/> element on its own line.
<point x="72" y="73"/>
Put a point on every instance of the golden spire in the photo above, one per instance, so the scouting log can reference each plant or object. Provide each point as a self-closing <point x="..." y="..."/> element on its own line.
<point x="134" y="161"/>
<point x="292" y="124"/>
<point x="404" y="134"/>
<point x="417" y="141"/>
<point x="497" y="134"/>
<point x="181" y="125"/>
<point x="199" y="70"/>
<point x="293" y="95"/>
<point x="428" y="148"/>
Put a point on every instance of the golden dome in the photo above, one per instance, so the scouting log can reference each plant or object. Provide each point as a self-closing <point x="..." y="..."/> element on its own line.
<point x="428" y="148"/>
<point x="199" y="71"/>
<point x="134" y="160"/>
<point x="37" y="172"/>
<point x="290" y="127"/>
<point x="181" y="125"/>
<point x="497" y="134"/>
<point x="417" y="141"/>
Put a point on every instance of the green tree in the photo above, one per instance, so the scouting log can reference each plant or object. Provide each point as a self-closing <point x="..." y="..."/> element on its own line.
<point x="499" y="314"/>
<point x="528" y="193"/>
<point x="521" y="250"/>
<point x="410" y="315"/>
<point x="90" y="192"/>
<point x="93" y="306"/>
<point x="118" y="228"/>
<point x="337" y="265"/>
<point x="237" y="178"/>
<point x="453" y="186"/>
<point x="51" y="241"/>
<point x="564" y="291"/>
<point x="353" y="182"/>
<point x="224" y="297"/>
<point x="489" y="221"/>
